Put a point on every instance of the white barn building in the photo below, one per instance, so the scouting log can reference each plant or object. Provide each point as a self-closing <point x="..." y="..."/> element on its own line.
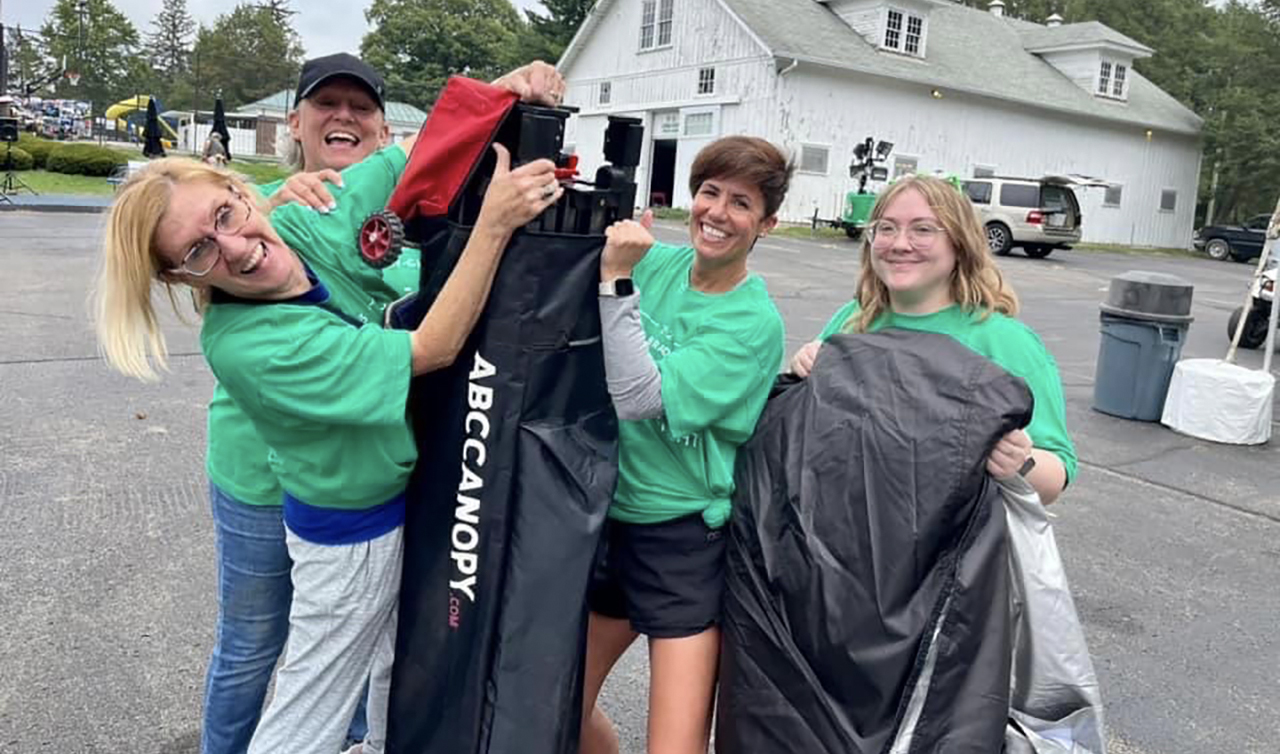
<point x="956" y="90"/>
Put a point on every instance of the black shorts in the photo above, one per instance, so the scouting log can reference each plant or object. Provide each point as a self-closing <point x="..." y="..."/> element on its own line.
<point x="666" y="578"/>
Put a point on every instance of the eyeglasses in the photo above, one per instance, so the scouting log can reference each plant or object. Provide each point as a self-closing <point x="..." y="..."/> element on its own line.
<point x="229" y="220"/>
<point x="920" y="236"/>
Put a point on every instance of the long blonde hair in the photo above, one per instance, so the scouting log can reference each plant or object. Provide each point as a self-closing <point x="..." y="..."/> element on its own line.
<point x="125" y="318"/>
<point x="976" y="282"/>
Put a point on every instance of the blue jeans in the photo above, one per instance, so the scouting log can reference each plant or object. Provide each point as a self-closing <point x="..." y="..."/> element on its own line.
<point x="254" y="594"/>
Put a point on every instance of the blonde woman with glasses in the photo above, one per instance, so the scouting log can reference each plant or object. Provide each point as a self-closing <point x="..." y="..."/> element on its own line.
<point x="926" y="266"/>
<point x="290" y="330"/>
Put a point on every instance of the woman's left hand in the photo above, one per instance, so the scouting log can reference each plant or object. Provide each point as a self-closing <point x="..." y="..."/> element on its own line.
<point x="308" y="189"/>
<point x="1009" y="455"/>
<point x="538" y="82"/>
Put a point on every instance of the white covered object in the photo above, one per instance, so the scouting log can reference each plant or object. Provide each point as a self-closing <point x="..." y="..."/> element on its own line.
<point x="1215" y="400"/>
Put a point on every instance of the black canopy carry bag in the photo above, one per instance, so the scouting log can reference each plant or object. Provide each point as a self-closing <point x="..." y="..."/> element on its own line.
<point x="517" y="466"/>
<point x="867" y="595"/>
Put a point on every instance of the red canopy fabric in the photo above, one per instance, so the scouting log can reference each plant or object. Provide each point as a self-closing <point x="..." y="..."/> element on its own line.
<point x="462" y="123"/>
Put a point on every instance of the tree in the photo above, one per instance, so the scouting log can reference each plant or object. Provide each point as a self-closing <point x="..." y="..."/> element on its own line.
<point x="169" y="46"/>
<point x="98" y="42"/>
<point x="27" y="63"/>
<point x="546" y="37"/>
<point x="280" y="10"/>
<point x="245" y="55"/>
<point x="418" y="44"/>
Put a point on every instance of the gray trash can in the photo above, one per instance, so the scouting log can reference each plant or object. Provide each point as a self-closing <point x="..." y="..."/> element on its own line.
<point x="1144" y="324"/>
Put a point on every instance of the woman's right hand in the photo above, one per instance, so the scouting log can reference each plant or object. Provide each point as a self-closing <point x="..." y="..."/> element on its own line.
<point x="802" y="362"/>
<point x="515" y="197"/>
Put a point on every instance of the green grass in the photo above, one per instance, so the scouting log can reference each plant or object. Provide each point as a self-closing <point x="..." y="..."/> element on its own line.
<point x="805" y="231"/>
<point x="59" y="183"/>
<point x="260" y="172"/>
<point x="1145" y="251"/>
<point x="671" y="213"/>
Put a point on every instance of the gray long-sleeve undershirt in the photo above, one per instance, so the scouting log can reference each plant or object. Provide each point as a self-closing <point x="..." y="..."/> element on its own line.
<point x="635" y="384"/>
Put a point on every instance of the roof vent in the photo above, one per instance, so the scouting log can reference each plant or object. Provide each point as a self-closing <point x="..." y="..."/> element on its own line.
<point x="996" y="7"/>
<point x="1054" y="21"/>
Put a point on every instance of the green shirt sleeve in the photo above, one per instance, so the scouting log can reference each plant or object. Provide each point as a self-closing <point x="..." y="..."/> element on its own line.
<point x="1048" y="428"/>
<point x="305" y="364"/>
<point x="837" y="322"/>
<point x="720" y="381"/>
<point x="340" y="374"/>
<point x="265" y="190"/>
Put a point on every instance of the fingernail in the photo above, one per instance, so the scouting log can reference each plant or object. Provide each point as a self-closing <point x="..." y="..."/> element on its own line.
<point x="323" y="210"/>
<point x="333" y="206"/>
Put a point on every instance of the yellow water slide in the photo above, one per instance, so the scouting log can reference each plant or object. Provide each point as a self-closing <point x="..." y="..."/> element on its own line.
<point x="121" y="110"/>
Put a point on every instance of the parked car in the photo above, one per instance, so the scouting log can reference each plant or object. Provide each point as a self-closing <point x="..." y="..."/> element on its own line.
<point x="1036" y="214"/>
<point x="1241" y="242"/>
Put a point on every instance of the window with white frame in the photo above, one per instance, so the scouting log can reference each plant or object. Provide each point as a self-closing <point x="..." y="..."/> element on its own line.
<point x="903" y="32"/>
<point x="606" y="93"/>
<point x="814" y="159"/>
<point x="1118" y="80"/>
<point x="893" y="30"/>
<point x="1168" y="200"/>
<point x="706" y="81"/>
<point x="699" y="124"/>
<point x="1113" y="195"/>
<point x="1104" y="78"/>
<point x="915" y="30"/>
<point x="655" y="23"/>
<point x="903" y="165"/>
<point x="666" y="10"/>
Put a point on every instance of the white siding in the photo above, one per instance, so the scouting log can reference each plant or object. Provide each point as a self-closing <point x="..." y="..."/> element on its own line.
<point x="862" y="16"/>
<point x="1081" y="66"/>
<point x="643" y="83"/>
<point x="953" y="134"/>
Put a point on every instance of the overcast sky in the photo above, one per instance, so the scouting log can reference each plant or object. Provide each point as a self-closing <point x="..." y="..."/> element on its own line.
<point x="326" y="26"/>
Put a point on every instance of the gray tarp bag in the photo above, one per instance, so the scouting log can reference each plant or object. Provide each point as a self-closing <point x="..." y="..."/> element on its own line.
<point x="1055" y="706"/>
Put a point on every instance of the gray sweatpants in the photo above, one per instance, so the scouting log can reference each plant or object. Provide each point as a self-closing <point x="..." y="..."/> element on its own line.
<point x="342" y="630"/>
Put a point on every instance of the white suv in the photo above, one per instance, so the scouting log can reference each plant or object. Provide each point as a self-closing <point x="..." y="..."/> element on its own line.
<point x="1039" y="215"/>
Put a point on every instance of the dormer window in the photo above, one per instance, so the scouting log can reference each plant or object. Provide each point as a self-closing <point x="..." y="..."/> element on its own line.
<point x="903" y="32"/>
<point x="1112" y="79"/>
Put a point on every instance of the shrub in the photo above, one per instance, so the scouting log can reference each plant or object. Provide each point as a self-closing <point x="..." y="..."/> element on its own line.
<point x="22" y="159"/>
<point x="38" y="148"/>
<point x="83" y="159"/>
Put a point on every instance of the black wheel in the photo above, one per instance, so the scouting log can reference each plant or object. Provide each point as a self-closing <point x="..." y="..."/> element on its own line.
<point x="380" y="239"/>
<point x="1038" y="252"/>
<point x="999" y="239"/>
<point x="1255" y="329"/>
<point x="853" y="232"/>
<point x="1218" y="249"/>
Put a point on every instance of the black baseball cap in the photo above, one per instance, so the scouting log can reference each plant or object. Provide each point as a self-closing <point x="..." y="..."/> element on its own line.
<point x="318" y="71"/>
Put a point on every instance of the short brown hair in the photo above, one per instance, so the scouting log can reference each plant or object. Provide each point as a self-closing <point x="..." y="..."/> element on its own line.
<point x="746" y="158"/>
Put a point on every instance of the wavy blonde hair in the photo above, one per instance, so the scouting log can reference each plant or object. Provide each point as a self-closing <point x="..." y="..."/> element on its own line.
<point x="125" y="318"/>
<point x="976" y="282"/>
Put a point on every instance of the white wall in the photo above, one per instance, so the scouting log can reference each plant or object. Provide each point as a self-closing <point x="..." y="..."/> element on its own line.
<point x="244" y="141"/>
<point x="644" y="83"/>
<point x="953" y="134"/>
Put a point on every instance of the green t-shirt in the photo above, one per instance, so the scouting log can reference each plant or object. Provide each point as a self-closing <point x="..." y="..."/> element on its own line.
<point x="1007" y="342"/>
<point x="237" y="459"/>
<point x="328" y="397"/>
<point x="403" y="274"/>
<point x="718" y="355"/>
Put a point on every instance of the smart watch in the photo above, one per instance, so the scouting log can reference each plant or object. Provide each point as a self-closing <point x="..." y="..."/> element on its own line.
<point x="617" y="288"/>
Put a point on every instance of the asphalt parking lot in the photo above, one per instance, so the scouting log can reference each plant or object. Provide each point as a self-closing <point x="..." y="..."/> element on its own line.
<point x="106" y="562"/>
